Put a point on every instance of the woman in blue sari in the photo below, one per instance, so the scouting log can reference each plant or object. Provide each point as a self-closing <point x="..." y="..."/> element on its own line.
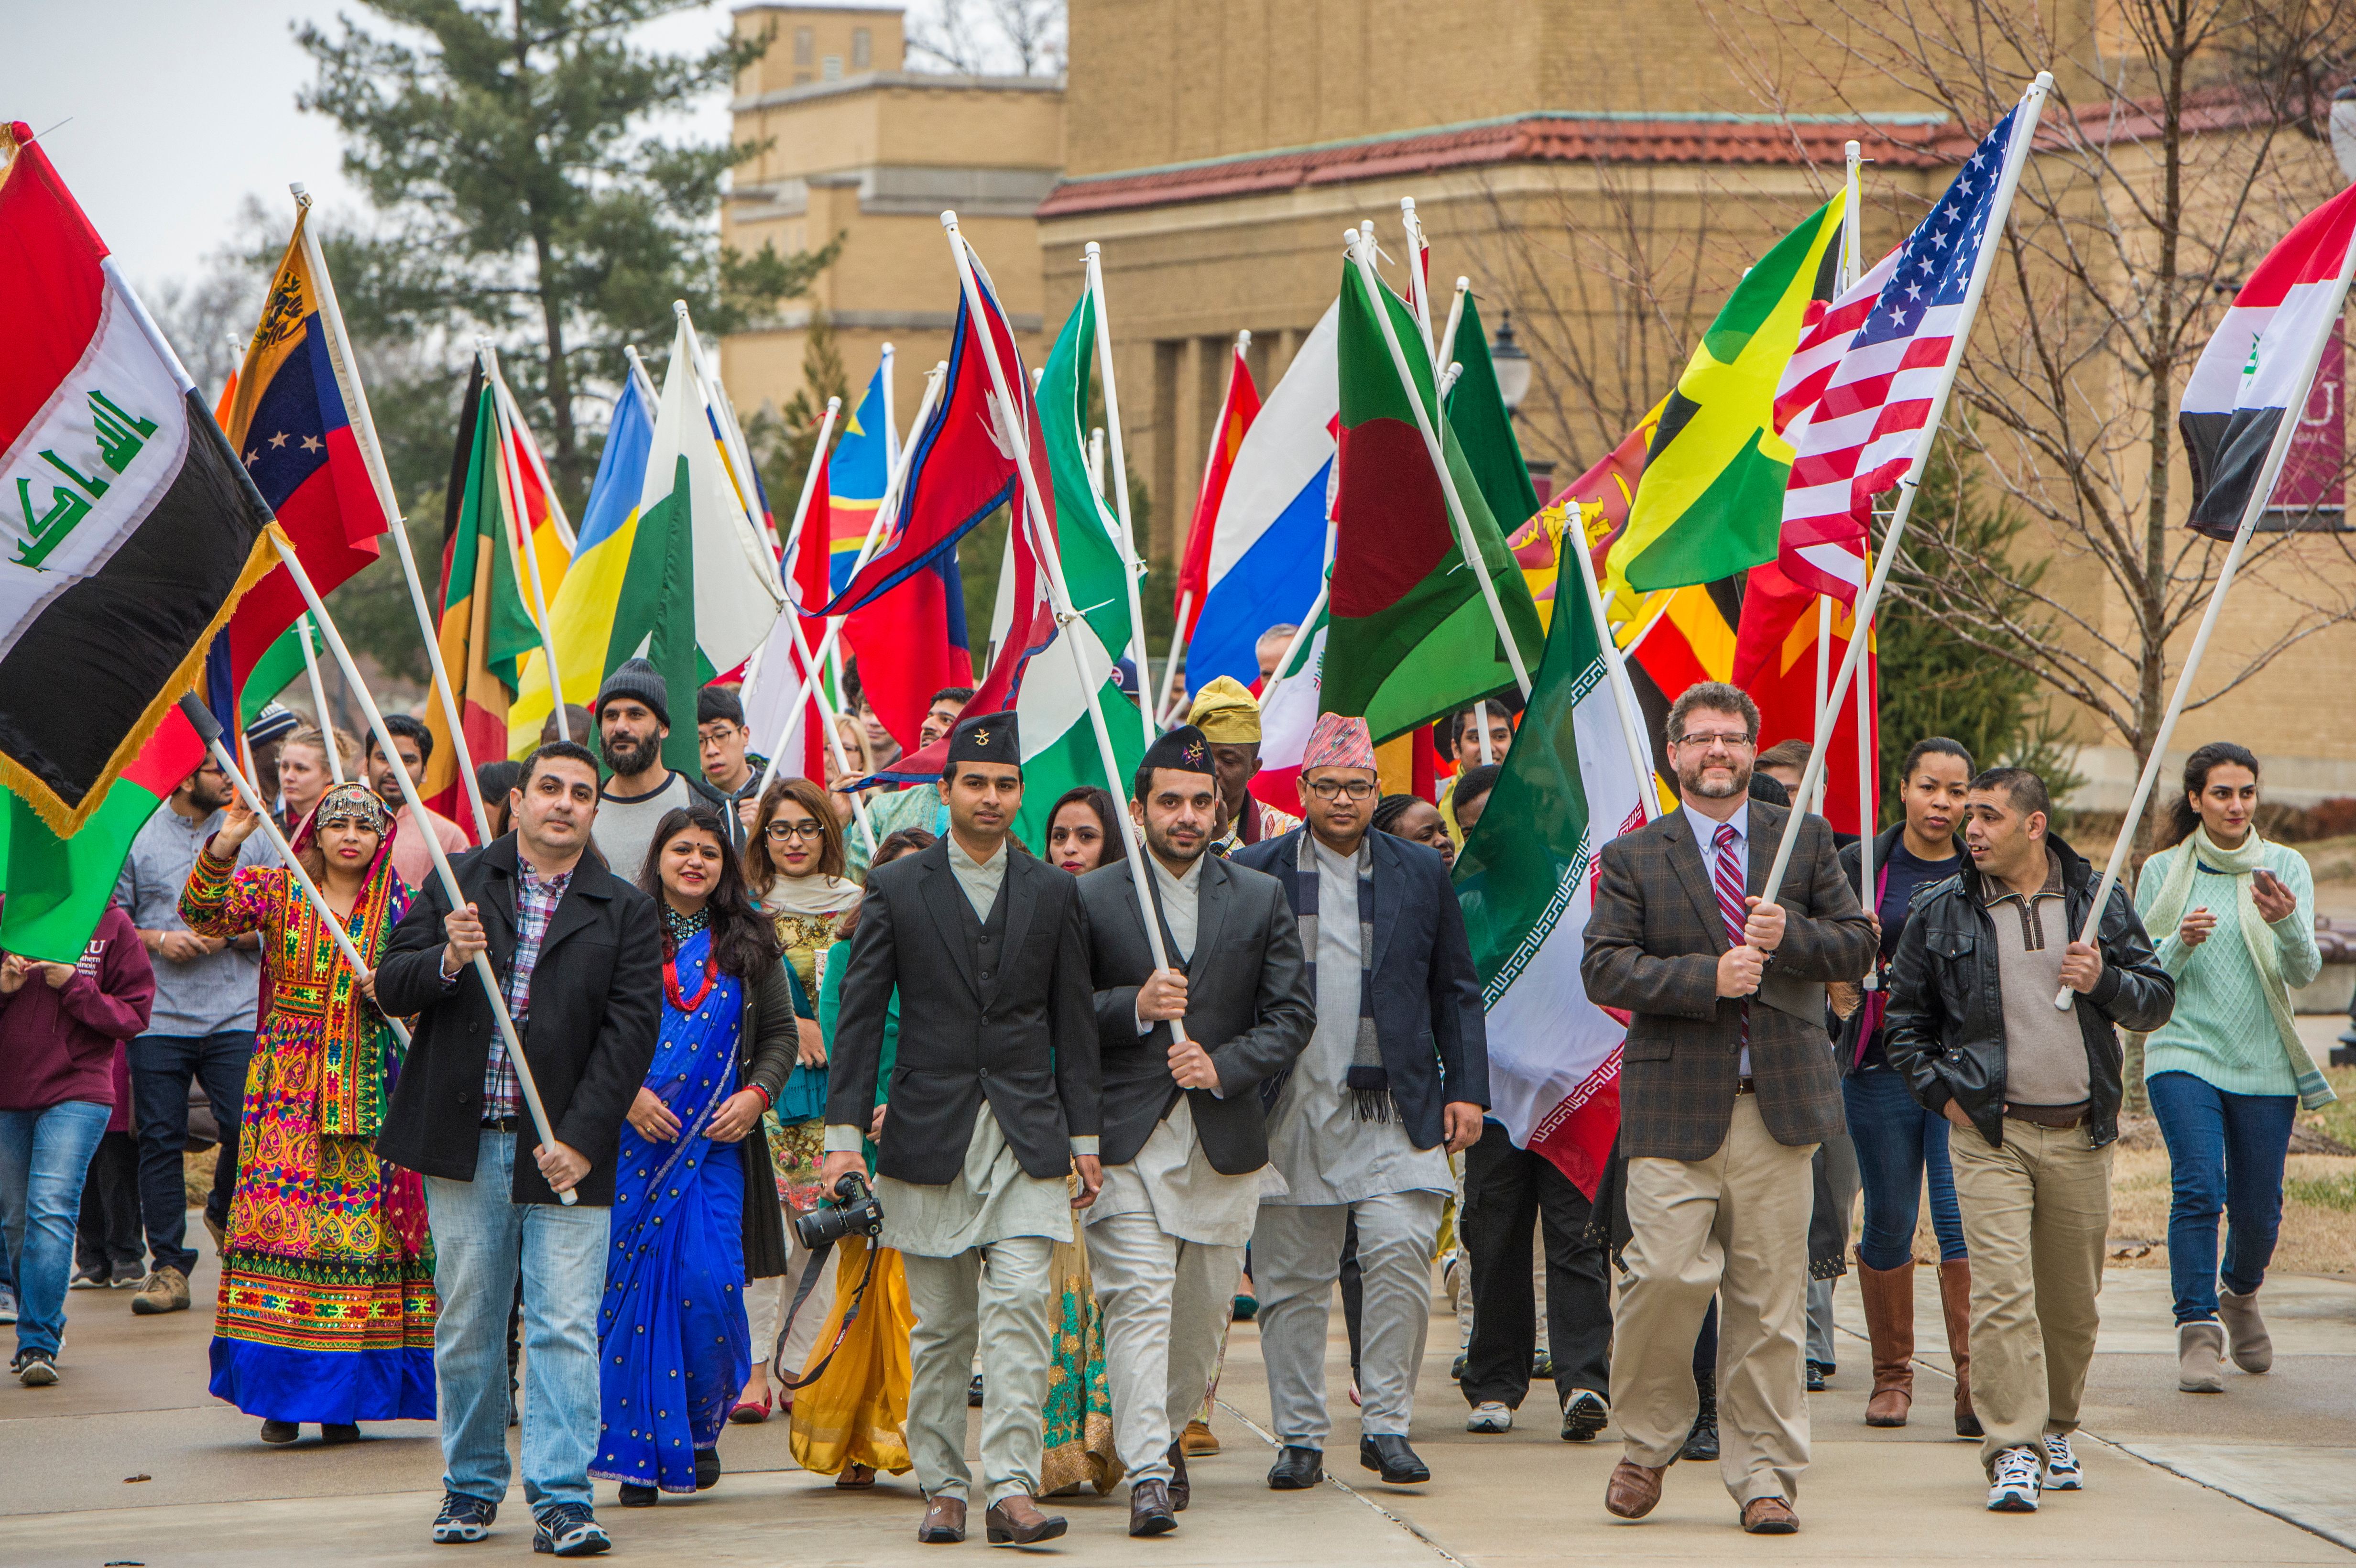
<point x="672" y="1344"/>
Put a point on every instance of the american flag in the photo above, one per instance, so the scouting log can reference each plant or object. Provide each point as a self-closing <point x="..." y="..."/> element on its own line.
<point x="1856" y="400"/>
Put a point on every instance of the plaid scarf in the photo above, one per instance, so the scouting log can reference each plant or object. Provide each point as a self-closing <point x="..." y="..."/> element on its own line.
<point x="1368" y="1082"/>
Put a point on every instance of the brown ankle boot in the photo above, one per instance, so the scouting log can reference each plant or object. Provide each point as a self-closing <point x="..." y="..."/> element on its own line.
<point x="1889" y="1322"/>
<point x="1955" y="1301"/>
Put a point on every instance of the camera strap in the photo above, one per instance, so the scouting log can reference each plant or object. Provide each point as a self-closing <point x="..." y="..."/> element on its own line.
<point x="850" y="1315"/>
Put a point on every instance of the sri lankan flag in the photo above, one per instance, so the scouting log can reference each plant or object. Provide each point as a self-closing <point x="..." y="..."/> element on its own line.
<point x="485" y="628"/>
<point x="1712" y="500"/>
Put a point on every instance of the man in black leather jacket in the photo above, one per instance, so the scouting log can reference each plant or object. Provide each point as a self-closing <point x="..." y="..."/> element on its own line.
<point x="2034" y="1093"/>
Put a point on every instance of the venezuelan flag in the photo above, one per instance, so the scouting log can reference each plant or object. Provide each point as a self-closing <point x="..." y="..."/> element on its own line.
<point x="857" y="471"/>
<point x="589" y="605"/>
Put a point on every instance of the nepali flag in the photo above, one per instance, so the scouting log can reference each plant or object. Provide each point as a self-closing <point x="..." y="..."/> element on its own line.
<point x="2261" y="362"/>
<point x="129" y="530"/>
<point x="962" y="467"/>
<point x="1857" y="400"/>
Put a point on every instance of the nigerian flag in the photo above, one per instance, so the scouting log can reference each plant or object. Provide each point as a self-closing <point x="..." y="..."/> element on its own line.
<point x="1526" y="879"/>
<point x="1410" y="635"/>
<point x="1712" y="501"/>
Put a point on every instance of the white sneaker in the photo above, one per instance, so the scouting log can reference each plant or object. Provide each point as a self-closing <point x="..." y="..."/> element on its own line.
<point x="2013" y="1484"/>
<point x="1489" y="1416"/>
<point x="2062" y="1471"/>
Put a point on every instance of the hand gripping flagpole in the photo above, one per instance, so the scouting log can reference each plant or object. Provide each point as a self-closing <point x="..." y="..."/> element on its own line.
<point x="867" y="549"/>
<point x="1069" y="622"/>
<point x="373" y="457"/>
<point x="209" y="730"/>
<point x="417" y="805"/>
<point x="1362" y="257"/>
<point x="2252" y="510"/>
<point x="1999" y="212"/>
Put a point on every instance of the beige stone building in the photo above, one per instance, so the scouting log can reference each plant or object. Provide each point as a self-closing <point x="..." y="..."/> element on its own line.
<point x="1605" y="173"/>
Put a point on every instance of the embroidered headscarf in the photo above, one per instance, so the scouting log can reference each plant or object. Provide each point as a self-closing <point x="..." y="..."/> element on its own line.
<point x="352" y="1083"/>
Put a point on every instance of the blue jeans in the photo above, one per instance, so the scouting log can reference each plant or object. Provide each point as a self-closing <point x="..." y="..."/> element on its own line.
<point x="2225" y="1156"/>
<point x="1899" y="1143"/>
<point x="481" y="1236"/>
<point x="42" y="1157"/>
<point x="162" y="1065"/>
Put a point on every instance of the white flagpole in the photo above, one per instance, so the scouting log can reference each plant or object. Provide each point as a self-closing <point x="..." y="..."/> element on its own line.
<point x="809" y="488"/>
<point x="1362" y="257"/>
<point x="1999" y="212"/>
<point x="1823" y="685"/>
<point x="1455" y="319"/>
<point x="867" y="549"/>
<point x="891" y="416"/>
<point x="732" y="443"/>
<point x="372" y="458"/>
<point x="417" y="805"/>
<point x="1130" y="566"/>
<point x="320" y="698"/>
<point x="1867" y="747"/>
<point x="1418" y="287"/>
<point x="1070" y="627"/>
<point x="642" y="380"/>
<point x="1615" y="668"/>
<point x="209" y="730"/>
<point x="521" y="551"/>
<point x="1852" y="222"/>
<point x="2252" y="510"/>
<point x="530" y="445"/>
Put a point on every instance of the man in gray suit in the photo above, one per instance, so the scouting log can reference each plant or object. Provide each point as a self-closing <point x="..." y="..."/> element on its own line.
<point x="993" y="1101"/>
<point x="1185" y="1134"/>
<point x="1726" y="1089"/>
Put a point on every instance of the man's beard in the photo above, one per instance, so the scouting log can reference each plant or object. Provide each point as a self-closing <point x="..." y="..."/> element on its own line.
<point x="626" y="756"/>
<point x="1161" y="845"/>
<point x="1691" y="784"/>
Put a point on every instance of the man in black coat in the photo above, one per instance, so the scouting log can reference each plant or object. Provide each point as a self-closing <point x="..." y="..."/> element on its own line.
<point x="579" y="954"/>
<point x="1394" y="1079"/>
<point x="987" y="948"/>
<point x="1186" y="1132"/>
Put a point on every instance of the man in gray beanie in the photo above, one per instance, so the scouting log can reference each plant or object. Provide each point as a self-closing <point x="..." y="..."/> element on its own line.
<point x="633" y="718"/>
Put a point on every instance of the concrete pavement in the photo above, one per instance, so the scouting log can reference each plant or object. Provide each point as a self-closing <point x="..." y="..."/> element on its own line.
<point x="128" y="1461"/>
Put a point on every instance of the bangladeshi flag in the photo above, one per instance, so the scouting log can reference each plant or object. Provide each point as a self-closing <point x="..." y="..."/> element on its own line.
<point x="1411" y="635"/>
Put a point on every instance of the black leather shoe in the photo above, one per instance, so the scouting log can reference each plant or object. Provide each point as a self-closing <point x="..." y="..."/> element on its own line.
<point x="1296" y="1468"/>
<point x="1149" y="1512"/>
<point x="1389" y="1454"/>
<point x="1181" y="1492"/>
<point x="707" y="1468"/>
<point x="636" y="1496"/>
<point x="280" y="1432"/>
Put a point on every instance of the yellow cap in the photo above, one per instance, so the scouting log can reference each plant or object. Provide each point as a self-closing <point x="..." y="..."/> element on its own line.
<point x="1226" y="714"/>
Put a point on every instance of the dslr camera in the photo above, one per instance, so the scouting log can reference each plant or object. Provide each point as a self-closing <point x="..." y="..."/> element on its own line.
<point x="855" y="1212"/>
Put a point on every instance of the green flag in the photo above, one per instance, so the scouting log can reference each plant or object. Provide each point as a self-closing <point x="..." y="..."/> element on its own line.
<point x="1477" y="413"/>
<point x="1085" y="525"/>
<point x="1411" y="632"/>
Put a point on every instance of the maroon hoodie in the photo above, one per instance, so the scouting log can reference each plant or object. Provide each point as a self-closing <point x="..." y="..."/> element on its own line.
<point x="60" y="1045"/>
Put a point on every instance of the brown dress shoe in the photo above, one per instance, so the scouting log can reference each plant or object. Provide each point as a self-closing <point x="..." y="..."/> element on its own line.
<point x="1181" y="1491"/>
<point x="944" y="1521"/>
<point x="1017" y="1521"/>
<point x="1633" y="1490"/>
<point x="1770" y="1516"/>
<point x="1199" y="1441"/>
<point x="1149" y="1512"/>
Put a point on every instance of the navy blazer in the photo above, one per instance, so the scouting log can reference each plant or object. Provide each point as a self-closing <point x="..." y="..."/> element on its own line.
<point x="1427" y="1015"/>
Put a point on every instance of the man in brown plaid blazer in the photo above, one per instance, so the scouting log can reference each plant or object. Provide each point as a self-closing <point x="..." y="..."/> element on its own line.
<point x="1726" y="1086"/>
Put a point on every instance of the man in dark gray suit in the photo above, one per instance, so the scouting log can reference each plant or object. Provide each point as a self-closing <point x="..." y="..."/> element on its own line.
<point x="1185" y="1134"/>
<point x="1726" y="1086"/>
<point x="988" y="950"/>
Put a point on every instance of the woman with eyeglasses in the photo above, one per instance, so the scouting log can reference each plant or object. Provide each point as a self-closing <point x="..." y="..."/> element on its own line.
<point x="793" y="869"/>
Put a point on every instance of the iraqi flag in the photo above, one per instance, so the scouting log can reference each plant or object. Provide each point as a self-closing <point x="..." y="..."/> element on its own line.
<point x="1526" y="882"/>
<point x="2261" y="362"/>
<point x="128" y="528"/>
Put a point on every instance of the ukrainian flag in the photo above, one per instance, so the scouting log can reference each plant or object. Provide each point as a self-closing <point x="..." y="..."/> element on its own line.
<point x="583" y="620"/>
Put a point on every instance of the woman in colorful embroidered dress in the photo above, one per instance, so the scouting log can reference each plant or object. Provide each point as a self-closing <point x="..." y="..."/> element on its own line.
<point x="326" y="1304"/>
<point x="672" y="1347"/>
<point x="793" y="865"/>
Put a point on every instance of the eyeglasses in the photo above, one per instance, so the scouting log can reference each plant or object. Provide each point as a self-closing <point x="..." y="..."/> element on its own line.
<point x="1333" y="789"/>
<point x="1731" y="740"/>
<point x="781" y="831"/>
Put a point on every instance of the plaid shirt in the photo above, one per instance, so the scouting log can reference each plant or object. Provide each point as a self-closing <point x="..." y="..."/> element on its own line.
<point x="536" y="901"/>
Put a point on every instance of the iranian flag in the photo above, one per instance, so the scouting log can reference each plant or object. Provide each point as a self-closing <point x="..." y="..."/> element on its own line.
<point x="1411" y="635"/>
<point x="1526" y="880"/>
<point x="2261" y="363"/>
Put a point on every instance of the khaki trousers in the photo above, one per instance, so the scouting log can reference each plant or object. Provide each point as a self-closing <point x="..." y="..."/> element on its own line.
<point x="996" y="1297"/>
<point x="1165" y="1307"/>
<point x="1734" y="1225"/>
<point x="2036" y="1214"/>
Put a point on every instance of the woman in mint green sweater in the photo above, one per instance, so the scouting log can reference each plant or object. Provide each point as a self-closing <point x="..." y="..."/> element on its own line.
<point x="2233" y="916"/>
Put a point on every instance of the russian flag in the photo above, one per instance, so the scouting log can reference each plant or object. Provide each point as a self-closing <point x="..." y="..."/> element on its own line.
<point x="1267" y="554"/>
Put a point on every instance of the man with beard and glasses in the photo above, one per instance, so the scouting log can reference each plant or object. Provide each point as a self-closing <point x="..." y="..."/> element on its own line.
<point x="1726" y="1089"/>
<point x="1185" y="1135"/>
<point x="633" y="718"/>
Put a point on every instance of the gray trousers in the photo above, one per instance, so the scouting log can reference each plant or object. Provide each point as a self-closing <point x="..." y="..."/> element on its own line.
<point x="1296" y="1258"/>
<point x="1165" y="1307"/>
<point x="996" y="1295"/>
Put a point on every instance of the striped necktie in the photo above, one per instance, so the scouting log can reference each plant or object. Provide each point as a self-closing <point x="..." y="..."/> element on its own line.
<point x="1730" y="878"/>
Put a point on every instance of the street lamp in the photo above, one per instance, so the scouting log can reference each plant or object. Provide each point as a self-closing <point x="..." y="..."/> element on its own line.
<point x="1511" y="364"/>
